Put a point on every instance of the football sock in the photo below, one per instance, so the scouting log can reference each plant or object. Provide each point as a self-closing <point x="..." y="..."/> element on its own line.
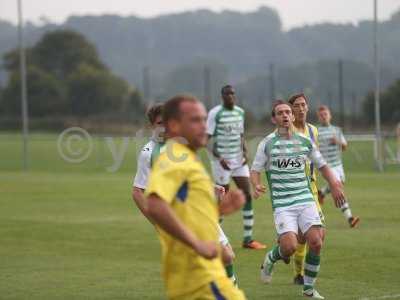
<point x="274" y="254"/>
<point x="298" y="259"/>
<point x="346" y="210"/>
<point x="311" y="269"/>
<point x="248" y="221"/>
<point x="325" y="190"/>
<point x="231" y="273"/>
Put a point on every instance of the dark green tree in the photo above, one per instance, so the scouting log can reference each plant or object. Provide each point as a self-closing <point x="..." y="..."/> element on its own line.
<point x="65" y="76"/>
<point x="60" y="52"/>
<point x="92" y="90"/>
<point x="47" y="95"/>
<point x="390" y="104"/>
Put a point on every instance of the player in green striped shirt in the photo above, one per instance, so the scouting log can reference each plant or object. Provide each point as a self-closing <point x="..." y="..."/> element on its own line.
<point x="331" y="144"/>
<point x="225" y="125"/>
<point x="284" y="155"/>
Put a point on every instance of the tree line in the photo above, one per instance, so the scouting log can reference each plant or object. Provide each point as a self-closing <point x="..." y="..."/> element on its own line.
<point x="66" y="77"/>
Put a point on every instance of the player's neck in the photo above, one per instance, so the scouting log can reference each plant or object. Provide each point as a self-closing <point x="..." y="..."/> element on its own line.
<point x="300" y="125"/>
<point x="228" y="107"/>
<point x="285" y="132"/>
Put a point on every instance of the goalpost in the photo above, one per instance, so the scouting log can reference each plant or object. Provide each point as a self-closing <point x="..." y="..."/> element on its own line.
<point x="362" y="153"/>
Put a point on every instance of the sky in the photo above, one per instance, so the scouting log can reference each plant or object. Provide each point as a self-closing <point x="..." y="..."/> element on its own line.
<point x="293" y="13"/>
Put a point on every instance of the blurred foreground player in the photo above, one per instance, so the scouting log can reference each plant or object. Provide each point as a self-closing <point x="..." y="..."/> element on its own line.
<point x="182" y="204"/>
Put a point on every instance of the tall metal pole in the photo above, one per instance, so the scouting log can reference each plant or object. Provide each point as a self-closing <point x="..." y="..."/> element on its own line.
<point x="272" y="82"/>
<point x="24" y="96"/>
<point x="146" y="84"/>
<point x="207" y="87"/>
<point x="341" y="96"/>
<point x="377" y="90"/>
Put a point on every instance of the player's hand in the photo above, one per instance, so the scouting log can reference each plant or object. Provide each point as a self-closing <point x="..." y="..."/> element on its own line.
<point x="231" y="202"/>
<point x="224" y="164"/>
<point x="205" y="249"/>
<point x="245" y="160"/>
<point x="259" y="189"/>
<point x="219" y="191"/>
<point x="338" y="194"/>
<point x="334" y="141"/>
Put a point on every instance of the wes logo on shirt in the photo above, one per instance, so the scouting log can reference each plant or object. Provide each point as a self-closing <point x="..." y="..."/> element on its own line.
<point x="284" y="163"/>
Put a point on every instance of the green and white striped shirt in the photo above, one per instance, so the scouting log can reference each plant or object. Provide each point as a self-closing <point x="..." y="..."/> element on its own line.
<point x="284" y="161"/>
<point x="332" y="153"/>
<point x="226" y="126"/>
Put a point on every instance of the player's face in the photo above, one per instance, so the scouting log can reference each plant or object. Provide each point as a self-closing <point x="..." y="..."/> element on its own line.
<point x="229" y="97"/>
<point x="324" y="117"/>
<point x="283" y="116"/>
<point x="193" y="124"/>
<point x="300" y="109"/>
<point x="158" y="128"/>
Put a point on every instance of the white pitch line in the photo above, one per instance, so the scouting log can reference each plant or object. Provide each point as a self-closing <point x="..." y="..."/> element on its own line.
<point x="382" y="297"/>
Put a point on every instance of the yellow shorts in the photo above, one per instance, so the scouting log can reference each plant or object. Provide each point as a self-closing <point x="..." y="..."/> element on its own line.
<point x="220" y="289"/>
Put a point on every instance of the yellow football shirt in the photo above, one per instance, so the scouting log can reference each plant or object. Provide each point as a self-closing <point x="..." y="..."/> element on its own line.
<point x="314" y="138"/>
<point x="179" y="178"/>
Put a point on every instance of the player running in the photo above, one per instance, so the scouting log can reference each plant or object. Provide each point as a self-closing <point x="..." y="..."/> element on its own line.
<point x="331" y="144"/>
<point x="284" y="155"/>
<point x="225" y="124"/>
<point x="299" y="104"/>
<point x="182" y="204"/>
<point x="146" y="158"/>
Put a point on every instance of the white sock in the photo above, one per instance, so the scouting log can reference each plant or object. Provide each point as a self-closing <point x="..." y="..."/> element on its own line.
<point x="346" y="210"/>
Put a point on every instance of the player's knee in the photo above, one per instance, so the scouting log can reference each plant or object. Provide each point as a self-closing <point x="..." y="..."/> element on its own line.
<point x="228" y="256"/>
<point x="315" y="244"/>
<point x="288" y="249"/>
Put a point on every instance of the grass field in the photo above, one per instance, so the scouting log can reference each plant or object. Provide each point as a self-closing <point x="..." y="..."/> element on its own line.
<point x="72" y="232"/>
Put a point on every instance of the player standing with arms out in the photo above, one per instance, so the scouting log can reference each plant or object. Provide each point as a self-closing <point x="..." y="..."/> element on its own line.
<point x="284" y="155"/>
<point x="225" y="124"/>
<point x="182" y="204"/>
<point x="299" y="104"/>
<point x="331" y="144"/>
<point x="146" y="158"/>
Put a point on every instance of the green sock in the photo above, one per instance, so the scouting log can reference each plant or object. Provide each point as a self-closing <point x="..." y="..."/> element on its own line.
<point x="248" y="222"/>
<point x="311" y="269"/>
<point x="230" y="273"/>
<point x="275" y="254"/>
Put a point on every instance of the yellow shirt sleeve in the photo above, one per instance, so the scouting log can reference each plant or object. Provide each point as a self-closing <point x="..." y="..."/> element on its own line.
<point x="315" y="129"/>
<point x="166" y="178"/>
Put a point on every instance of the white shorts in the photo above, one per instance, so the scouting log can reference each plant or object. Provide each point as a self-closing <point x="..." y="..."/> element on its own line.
<point x="223" y="177"/>
<point x="223" y="240"/>
<point x="301" y="217"/>
<point x="339" y="173"/>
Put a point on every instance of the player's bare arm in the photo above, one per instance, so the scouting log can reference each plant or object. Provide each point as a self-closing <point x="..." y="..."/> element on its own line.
<point x="215" y="153"/>
<point x="335" y="185"/>
<point x="140" y="200"/>
<point x="165" y="217"/>
<point x="244" y="147"/>
<point x="231" y="202"/>
<point x="258" y="187"/>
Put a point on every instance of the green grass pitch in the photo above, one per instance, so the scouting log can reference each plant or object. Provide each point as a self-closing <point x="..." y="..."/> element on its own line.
<point x="72" y="232"/>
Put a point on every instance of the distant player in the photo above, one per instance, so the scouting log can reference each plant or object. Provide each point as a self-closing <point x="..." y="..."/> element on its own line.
<point x="146" y="159"/>
<point x="331" y="144"/>
<point x="283" y="155"/>
<point x="182" y="204"/>
<point x="225" y="124"/>
<point x="299" y="104"/>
